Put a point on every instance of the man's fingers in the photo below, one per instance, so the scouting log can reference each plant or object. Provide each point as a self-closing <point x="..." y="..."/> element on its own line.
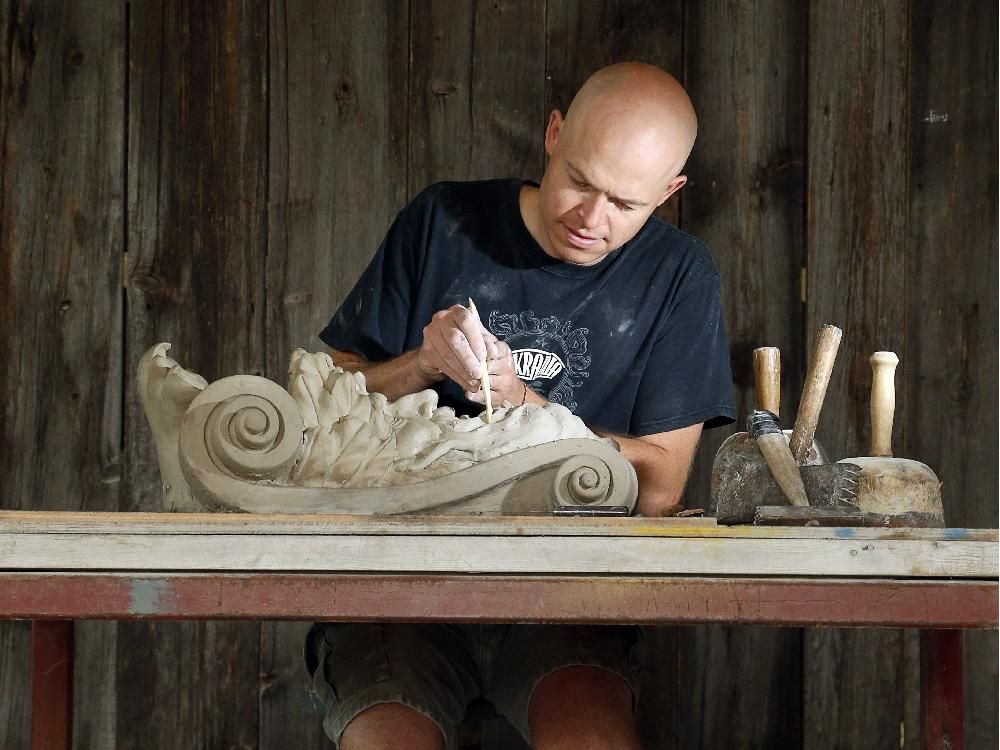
<point x="476" y="396"/>
<point x="460" y="332"/>
<point x="472" y="330"/>
<point x="496" y="349"/>
<point x="453" y="366"/>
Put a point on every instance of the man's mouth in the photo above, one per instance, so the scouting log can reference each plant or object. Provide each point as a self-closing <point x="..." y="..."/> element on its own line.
<point x="582" y="241"/>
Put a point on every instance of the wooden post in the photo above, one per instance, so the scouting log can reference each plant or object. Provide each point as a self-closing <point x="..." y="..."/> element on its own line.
<point x="941" y="689"/>
<point x="51" y="684"/>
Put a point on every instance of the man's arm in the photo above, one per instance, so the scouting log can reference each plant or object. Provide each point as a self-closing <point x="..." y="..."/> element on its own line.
<point x="394" y="377"/>
<point x="446" y="351"/>
<point x="662" y="462"/>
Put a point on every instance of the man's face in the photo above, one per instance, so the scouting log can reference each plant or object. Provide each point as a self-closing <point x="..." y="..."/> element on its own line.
<point x="597" y="192"/>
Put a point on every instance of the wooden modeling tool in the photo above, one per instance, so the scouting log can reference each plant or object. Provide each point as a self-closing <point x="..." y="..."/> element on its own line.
<point x="894" y="486"/>
<point x="484" y="370"/>
<point x="813" y="394"/>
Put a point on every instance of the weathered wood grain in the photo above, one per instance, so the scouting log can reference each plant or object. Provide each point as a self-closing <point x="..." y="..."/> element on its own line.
<point x="507" y="101"/>
<point x="406" y="593"/>
<point x="95" y="684"/>
<point x="741" y="687"/>
<point x="439" y="139"/>
<point x="61" y="111"/>
<point x="746" y="201"/>
<point x="196" y="179"/>
<point x="950" y="373"/>
<point x="62" y="79"/>
<point x="15" y="684"/>
<point x="476" y="107"/>
<point x="857" y="247"/>
<point x="290" y="715"/>
<point x="221" y="524"/>
<point x="336" y="154"/>
<point x="658" y="715"/>
<point x="501" y="554"/>
<point x="846" y="714"/>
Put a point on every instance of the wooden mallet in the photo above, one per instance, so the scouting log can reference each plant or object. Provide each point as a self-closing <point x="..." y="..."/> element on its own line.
<point x="887" y="485"/>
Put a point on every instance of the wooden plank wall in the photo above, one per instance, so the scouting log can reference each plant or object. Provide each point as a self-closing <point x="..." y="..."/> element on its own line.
<point x="248" y="158"/>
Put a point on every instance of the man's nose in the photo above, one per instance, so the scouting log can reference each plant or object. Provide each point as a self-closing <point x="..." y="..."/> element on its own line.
<point x="592" y="210"/>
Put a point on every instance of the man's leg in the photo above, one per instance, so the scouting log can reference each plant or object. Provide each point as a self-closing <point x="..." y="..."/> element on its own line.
<point x="582" y="708"/>
<point x="389" y="726"/>
<point x="571" y="686"/>
<point x="391" y="685"/>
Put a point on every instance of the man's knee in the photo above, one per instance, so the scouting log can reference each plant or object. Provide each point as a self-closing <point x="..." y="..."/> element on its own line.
<point x="391" y="725"/>
<point x="585" y="708"/>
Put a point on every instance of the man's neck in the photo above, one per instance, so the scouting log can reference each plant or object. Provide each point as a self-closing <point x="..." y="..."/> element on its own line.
<point x="531" y="214"/>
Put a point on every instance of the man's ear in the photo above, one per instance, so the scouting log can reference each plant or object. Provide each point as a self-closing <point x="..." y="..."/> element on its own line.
<point x="552" y="130"/>
<point x="675" y="184"/>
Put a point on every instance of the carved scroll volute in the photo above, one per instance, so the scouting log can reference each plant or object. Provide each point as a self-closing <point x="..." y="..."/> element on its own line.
<point x="589" y="479"/>
<point x="245" y="428"/>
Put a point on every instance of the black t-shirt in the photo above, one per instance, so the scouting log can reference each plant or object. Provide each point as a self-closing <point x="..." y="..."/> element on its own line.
<point x="634" y="344"/>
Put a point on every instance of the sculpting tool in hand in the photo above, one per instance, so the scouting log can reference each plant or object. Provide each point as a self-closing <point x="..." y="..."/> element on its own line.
<point x="484" y="369"/>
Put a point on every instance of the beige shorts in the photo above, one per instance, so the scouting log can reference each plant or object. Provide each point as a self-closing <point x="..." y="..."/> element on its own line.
<point x="439" y="669"/>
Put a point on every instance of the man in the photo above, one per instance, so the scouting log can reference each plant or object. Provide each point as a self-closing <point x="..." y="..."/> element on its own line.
<point x="588" y="302"/>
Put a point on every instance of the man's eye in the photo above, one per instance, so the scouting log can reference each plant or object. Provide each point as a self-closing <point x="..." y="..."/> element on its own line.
<point x="579" y="183"/>
<point x="624" y="206"/>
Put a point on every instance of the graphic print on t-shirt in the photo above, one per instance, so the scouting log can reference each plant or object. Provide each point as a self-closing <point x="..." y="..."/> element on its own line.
<point x="549" y="355"/>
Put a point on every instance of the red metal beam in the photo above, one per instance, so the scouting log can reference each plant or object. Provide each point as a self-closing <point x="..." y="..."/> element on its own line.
<point x="457" y="598"/>
<point x="941" y="689"/>
<point x="51" y="684"/>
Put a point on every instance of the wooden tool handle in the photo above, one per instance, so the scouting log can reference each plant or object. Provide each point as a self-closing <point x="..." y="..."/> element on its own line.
<point x="883" y="401"/>
<point x="767" y="377"/>
<point x="814" y="390"/>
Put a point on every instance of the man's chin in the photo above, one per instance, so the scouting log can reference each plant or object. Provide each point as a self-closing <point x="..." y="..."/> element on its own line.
<point x="579" y="257"/>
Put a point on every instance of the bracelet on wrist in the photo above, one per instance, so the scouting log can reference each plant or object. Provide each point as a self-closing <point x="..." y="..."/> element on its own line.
<point x="524" y="396"/>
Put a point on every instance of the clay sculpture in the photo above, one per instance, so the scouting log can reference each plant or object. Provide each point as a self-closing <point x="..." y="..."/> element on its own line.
<point x="326" y="445"/>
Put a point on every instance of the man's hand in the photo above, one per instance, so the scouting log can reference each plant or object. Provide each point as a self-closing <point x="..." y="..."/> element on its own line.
<point x="505" y="385"/>
<point x="453" y="346"/>
<point x="455" y="343"/>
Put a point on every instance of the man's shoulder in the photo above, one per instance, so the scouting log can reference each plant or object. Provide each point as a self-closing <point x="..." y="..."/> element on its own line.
<point x="665" y="245"/>
<point x="661" y="231"/>
<point x="468" y="192"/>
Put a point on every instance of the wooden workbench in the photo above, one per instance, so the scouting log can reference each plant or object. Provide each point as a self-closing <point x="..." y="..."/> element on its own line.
<point x="60" y="567"/>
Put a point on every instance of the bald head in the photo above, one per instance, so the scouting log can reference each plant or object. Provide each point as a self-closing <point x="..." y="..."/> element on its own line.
<point x="616" y="155"/>
<point x="640" y="111"/>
